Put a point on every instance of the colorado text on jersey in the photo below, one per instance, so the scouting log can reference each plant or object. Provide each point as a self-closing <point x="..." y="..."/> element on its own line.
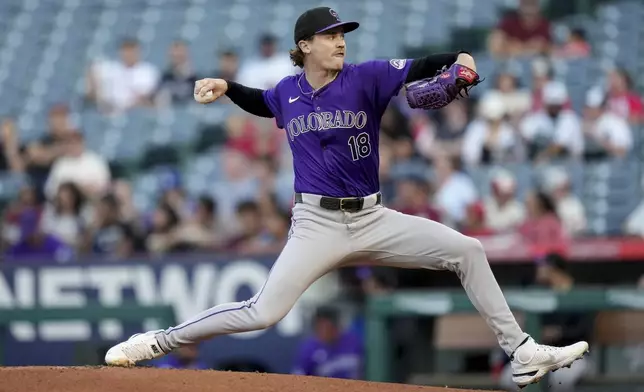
<point x="326" y="120"/>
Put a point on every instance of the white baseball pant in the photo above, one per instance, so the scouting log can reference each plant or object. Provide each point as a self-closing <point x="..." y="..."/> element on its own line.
<point x="321" y="240"/>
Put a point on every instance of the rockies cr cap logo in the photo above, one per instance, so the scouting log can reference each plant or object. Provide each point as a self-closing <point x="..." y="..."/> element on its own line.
<point x="335" y="15"/>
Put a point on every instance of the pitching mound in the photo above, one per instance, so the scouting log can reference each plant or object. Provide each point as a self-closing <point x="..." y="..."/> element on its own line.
<point x="103" y="379"/>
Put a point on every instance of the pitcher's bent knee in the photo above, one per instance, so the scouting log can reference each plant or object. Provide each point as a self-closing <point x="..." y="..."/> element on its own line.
<point x="473" y="249"/>
<point x="265" y="318"/>
<point x="469" y="250"/>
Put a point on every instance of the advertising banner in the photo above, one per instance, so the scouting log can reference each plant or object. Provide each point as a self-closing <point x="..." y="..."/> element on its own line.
<point x="188" y="286"/>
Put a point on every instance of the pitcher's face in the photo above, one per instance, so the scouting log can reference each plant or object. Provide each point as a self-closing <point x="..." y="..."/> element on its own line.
<point x="327" y="49"/>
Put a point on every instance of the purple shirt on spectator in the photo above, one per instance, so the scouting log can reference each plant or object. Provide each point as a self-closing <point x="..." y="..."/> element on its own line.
<point x="341" y="359"/>
<point x="49" y="248"/>
<point x="36" y="245"/>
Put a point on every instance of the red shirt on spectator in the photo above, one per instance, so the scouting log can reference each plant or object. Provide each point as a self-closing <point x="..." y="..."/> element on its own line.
<point x="514" y="28"/>
<point x="254" y="142"/>
<point x="576" y="49"/>
<point x="475" y="221"/>
<point x="628" y="105"/>
<point x="478" y="232"/>
<point x="545" y="233"/>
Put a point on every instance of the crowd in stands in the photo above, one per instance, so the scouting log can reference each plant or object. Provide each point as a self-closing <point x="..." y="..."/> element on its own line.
<point x="73" y="205"/>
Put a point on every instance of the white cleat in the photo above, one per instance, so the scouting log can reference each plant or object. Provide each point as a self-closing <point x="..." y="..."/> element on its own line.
<point x="532" y="361"/>
<point x="139" y="347"/>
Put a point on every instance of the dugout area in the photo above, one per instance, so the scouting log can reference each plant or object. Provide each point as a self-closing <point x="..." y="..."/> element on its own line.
<point x="105" y="379"/>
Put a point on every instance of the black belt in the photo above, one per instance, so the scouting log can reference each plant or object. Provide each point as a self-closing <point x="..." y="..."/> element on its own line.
<point x="348" y="204"/>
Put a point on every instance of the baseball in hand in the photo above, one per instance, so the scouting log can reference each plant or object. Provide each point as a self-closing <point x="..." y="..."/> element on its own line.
<point x="208" y="90"/>
<point x="204" y="97"/>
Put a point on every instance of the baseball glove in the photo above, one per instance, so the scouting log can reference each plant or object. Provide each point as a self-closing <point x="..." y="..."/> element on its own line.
<point x="438" y="91"/>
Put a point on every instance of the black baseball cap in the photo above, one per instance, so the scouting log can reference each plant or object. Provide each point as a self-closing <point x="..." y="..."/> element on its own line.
<point x="318" y="20"/>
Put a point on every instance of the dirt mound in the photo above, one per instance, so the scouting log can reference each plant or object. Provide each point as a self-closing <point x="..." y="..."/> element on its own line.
<point x="104" y="379"/>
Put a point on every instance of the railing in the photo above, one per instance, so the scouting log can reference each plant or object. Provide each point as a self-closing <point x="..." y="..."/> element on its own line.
<point x="533" y="303"/>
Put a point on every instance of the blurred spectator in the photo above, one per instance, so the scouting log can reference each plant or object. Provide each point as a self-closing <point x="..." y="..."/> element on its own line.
<point x="442" y="132"/>
<point x="522" y="33"/>
<point x="62" y="217"/>
<point x="201" y="231"/>
<point x="26" y="202"/>
<point x="516" y="99"/>
<point x="570" y="209"/>
<point x="228" y="66"/>
<point x="405" y="160"/>
<point x="609" y="135"/>
<point x="560" y="328"/>
<point x="542" y="74"/>
<point x="238" y="184"/>
<point x="41" y="154"/>
<point x="623" y="100"/>
<point x="227" y="69"/>
<point x="173" y="194"/>
<point x="331" y="351"/>
<point x="122" y="190"/>
<point x="115" y="86"/>
<point x="542" y="228"/>
<point x="36" y="245"/>
<point x="369" y="280"/>
<point x="454" y="190"/>
<point x="160" y="238"/>
<point x="267" y="69"/>
<point x="475" y="221"/>
<point x="252" y="138"/>
<point x="413" y="195"/>
<point x="576" y="45"/>
<point x="86" y="169"/>
<point x="634" y="224"/>
<point x="274" y="236"/>
<point x="394" y="125"/>
<point x="250" y="221"/>
<point x="178" y="81"/>
<point x="275" y="188"/>
<point x="504" y="212"/>
<point x="490" y="139"/>
<point x="130" y="244"/>
<point x="106" y="234"/>
<point x="265" y="172"/>
<point x="10" y="158"/>
<point x="552" y="272"/>
<point x="377" y="280"/>
<point x="259" y="234"/>
<point x="554" y="132"/>
<point x="185" y="357"/>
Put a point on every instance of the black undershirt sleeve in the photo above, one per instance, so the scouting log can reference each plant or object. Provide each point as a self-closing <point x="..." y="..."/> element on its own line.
<point x="426" y="67"/>
<point x="252" y="101"/>
<point x="248" y="99"/>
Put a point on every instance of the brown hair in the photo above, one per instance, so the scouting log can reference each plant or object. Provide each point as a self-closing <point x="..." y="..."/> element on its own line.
<point x="297" y="57"/>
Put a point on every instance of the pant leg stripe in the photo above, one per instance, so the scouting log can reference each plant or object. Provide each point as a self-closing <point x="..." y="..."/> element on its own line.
<point x="249" y="305"/>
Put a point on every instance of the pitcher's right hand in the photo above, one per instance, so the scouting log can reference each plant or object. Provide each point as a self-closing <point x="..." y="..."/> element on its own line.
<point x="208" y="90"/>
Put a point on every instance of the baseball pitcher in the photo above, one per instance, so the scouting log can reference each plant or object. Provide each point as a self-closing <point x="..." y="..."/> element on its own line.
<point x="331" y="113"/>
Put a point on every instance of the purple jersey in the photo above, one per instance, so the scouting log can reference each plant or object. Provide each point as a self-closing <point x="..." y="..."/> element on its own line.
<point x="334" y="132"/>
<point x="343" y="359"/>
